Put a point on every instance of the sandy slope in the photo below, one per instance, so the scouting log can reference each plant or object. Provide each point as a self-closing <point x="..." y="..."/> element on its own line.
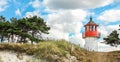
<point x="13" y="57"/>
<point x="6" y="56"/>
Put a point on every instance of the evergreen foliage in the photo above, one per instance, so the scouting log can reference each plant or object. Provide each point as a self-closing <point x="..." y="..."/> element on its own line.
<point x="112" y="38"/>
<point x="23" y="28"/>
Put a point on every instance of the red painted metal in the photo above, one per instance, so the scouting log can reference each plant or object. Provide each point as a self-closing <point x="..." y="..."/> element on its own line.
<point x="91" y="30"/>
<point x="91" y="34"/>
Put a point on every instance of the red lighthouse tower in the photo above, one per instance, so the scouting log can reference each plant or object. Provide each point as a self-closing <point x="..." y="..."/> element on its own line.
<point x="91" y="35"/>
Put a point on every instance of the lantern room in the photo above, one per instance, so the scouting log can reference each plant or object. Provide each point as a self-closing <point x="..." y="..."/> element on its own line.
<point x="91" y="29"/>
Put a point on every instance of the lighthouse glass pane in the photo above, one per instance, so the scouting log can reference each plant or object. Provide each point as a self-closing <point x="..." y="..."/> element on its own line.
<point x="91" y="28"/>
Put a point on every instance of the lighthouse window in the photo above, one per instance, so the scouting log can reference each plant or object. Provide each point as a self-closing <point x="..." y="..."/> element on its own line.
<point x="91" y="28"/>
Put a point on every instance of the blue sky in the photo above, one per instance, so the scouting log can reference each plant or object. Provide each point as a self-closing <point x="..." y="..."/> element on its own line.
<point x="67" y="17"/>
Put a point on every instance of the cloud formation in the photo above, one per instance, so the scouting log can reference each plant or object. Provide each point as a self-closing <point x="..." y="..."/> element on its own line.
<point x="106" y="48"/>
<point x="64" y="22"/>
<point x="75" y="4"/>
<point x="18" y="12"/>
<point x="34" y="13"/>
<point x="3" y="5"/>
<point x="105" y="30"/>
<point x="36" y="4"/>
<point x="110" y="15"/>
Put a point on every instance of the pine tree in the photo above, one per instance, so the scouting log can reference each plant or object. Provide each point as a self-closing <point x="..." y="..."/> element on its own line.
<point x="22" y="28"/>
<point x="112" y="38"/>
<point x="37" y="26"/>
<point x="3" y="28"/>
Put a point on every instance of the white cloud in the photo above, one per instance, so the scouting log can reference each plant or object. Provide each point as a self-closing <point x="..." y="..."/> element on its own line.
<point x="30" y="14"/>
<point x="103" y="31"/>
<point x="3" y="5"/>
<point x="36" y="4"/>
<point x="57" y="34"/>
<point x="64" y="22"/>
<point x="67" y="20"/>
<point x="106" y="48"/>
<point x="106" y="30"/>
<point x="18" y="12"/>
<point x="73" y="4"/>
<point x="110" y="16"/>
<point x="77" y="39"/>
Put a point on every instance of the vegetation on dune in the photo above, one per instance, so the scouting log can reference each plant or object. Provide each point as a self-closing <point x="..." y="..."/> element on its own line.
<point x="59" y="51"/>
<point x="48" y="50"/>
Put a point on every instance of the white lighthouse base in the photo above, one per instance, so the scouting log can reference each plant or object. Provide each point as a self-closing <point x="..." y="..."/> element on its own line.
<point x="91" y="43"/>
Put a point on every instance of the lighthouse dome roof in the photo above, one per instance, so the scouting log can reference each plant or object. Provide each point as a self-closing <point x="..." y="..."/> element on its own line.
<point x="91" y="23"/>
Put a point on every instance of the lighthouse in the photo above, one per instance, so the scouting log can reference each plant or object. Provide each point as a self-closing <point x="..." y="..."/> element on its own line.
<point x="91" y="36"/>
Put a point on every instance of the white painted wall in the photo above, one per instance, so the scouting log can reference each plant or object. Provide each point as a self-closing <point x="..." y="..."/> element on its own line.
<point x="91" y="43"/>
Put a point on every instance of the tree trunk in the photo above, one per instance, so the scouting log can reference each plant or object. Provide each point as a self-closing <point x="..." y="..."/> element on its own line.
<point x="12" y="38"/>
<point x="21" y="39"/>
<point x="32" y="36"/>
<point x="8" y="38"/>
<point x="2" y="39"/>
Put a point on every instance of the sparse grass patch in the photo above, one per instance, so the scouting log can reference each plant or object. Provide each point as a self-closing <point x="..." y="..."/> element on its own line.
<point x="21" y="48"/>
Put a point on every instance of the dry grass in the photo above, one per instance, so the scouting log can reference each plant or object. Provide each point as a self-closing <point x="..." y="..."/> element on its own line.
<point x="49" y="50"/>
<point x="56" y="51"/>
<point x="0" y="60"/>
